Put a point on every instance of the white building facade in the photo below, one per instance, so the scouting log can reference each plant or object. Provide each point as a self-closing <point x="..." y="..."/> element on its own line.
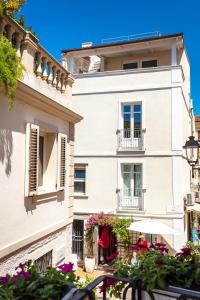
<point x="135" y="100"/>
<point x="36" y="159"/>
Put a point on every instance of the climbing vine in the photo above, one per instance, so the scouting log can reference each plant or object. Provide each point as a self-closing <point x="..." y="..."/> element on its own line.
<point x="118" y="227"/>
<point x="11" y="69"/>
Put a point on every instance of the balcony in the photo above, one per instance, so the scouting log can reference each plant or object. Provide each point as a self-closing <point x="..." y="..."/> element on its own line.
<point x="43" y="72"/>
<point x="130" y="199"/>
<point x="129" y="139"/>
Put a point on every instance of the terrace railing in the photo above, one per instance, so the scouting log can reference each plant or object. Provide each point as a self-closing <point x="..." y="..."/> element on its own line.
<point x="130" y="139"/>
<point x="131" y="291"/>
<point x="34" y="57"/>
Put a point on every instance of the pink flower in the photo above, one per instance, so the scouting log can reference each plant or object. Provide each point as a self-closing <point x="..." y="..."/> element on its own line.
<point x="66" y="268"/>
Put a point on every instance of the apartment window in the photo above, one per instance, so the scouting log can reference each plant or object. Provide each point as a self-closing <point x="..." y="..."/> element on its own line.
<point x="46" y="160"/>
<point x="80" y="180"/>
<point x="149" y="63"/>
<point x="132" y="180"/>
<point x="132" y="120"/>
<point x="44" y="261"/>
<point x="131" y="65"/>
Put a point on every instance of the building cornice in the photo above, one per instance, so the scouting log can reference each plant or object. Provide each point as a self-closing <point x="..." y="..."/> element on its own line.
<point x="32" y="97"/>
<point x="24" y="242"/>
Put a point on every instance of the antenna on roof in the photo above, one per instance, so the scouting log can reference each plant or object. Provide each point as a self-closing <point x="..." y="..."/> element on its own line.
<point x="131" y="37"/>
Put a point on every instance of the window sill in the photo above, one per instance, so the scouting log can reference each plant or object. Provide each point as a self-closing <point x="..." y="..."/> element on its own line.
<point x="80" y="196"/>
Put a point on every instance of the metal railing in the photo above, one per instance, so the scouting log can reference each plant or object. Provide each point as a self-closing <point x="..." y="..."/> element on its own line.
<point x="130" y="139"/>
<point x="130" y="199"/>
<point x="131" y="37"/>
<point x="131" y="291"/>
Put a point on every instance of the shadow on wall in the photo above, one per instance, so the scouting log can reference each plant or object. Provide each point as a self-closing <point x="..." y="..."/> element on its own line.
<point x="6" y="149"/>
<point x="32" y="202"/>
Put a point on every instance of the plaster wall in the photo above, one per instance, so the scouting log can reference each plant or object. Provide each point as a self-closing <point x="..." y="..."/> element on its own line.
<point x="22" y="218"/>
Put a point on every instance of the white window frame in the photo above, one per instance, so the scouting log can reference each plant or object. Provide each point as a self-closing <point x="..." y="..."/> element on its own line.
<point x="81" y="167"/>
<point x="128" y="101"/>
<point x="131" y="161"/>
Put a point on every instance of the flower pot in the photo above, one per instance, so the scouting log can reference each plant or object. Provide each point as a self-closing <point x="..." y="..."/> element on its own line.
<point x="89" y="264"/>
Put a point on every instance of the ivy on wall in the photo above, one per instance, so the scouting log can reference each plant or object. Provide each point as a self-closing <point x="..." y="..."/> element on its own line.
<point x="11" y="69"/>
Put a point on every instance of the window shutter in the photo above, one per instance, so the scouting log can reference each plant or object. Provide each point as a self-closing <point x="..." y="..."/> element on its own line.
<point x="32" y="147"/>
<point x="62" y="155"/>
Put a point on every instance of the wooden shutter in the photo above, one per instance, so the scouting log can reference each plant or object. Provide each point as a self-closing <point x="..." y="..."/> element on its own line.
<point x="32" y="148"/>
<point x="62" y="156"/>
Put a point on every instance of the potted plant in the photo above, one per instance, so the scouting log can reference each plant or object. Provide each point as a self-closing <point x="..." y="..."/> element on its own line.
<point x="89" y="258"/>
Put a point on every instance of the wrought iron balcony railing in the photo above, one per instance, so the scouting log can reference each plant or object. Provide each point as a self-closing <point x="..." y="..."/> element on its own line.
<point x="130" y="139"/>
<point x="131" y="291"/>
<point x="130" y="199"/>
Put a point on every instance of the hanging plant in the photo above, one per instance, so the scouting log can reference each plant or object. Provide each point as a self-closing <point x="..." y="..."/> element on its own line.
<point x="11" y="69"/>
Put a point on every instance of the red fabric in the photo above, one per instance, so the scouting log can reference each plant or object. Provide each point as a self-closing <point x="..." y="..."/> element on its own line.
<point x="104" y="240"/>
<point x="143" y="245"/>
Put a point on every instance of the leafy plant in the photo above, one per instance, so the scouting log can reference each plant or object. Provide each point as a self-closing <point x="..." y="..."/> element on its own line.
<point x="11" y="69"/>
<point x="29" y="284"/>
<point x="118" y="227"/>
<point x="11" y="6"/>
<point x="157" y="269"/>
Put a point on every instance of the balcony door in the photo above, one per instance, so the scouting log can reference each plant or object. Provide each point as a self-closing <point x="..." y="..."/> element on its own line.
<point x="132" y="125"/>
<point x="132" y="185"/>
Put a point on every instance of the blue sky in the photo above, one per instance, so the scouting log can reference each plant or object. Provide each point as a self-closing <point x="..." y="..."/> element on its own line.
<point x="66" y="24"/>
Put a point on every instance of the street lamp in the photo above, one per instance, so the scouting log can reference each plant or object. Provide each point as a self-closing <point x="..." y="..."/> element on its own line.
<point x="192" y="147"/>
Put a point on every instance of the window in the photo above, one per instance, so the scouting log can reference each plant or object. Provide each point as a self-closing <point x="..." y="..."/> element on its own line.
<point x="43" y="262"/>
<point x="79" y="180"/>
<point x="132" y="180"/>
<point x="45" y="160"/>
<point x="149" y="63"/>
<point x="131" y="65"/>
<point x="132" y="120"/>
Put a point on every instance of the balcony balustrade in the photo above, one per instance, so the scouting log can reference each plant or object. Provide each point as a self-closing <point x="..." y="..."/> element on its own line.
<point x="131" y="291"/>
<point x="130" y="139"/>
<point x="34" y="57"/>
<point x="130" y="199"/>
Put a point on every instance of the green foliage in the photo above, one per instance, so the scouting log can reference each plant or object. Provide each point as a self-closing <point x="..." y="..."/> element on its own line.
<point x="11" y="69"/>
<point x="22" y="22"/>
<point x="118" y="226"/>
<point x="11" y="6"/>
<point x="155" y="270"/>
<point x="120" y="229"/>
<point x="29" y="284"/>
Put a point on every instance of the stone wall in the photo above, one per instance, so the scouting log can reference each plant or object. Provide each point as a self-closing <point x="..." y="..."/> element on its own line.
<point x="59" y="242"/>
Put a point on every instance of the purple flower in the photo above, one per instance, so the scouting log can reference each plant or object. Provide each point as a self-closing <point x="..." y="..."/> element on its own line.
<point x="158" y="245"/>
<point x="163" y="250"/>
<point x="21" y="266"/>
<point x="25" y="274"/>
<point x="109" y="282"/>
<point x="185" y="252"/>
<point x="159" y="262"/>
<point x="4" y="279"/>
<point x="112" y="256"/>
<point x="66" y="268"/>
